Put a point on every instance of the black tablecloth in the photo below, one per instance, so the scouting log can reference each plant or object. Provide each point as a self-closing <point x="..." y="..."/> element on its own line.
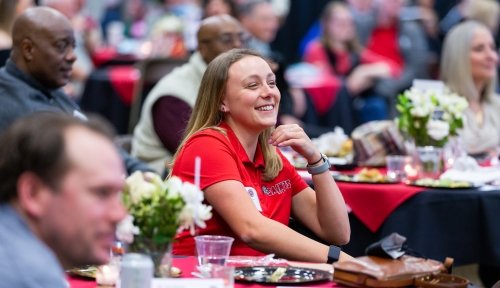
<point x="463" y="224"/>
<point x="100" y="97"/>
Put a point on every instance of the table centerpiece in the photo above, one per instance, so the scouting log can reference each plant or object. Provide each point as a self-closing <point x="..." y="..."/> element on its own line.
<point x="430" y="118"/>
<point x="157" y="211"/>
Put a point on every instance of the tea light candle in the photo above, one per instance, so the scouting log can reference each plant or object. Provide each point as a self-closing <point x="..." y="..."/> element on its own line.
<point x="107" y="275"/>
<point x="411" y="172"/>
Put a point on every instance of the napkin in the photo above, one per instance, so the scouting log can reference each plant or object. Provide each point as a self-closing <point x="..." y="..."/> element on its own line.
<point x="331" y="143"/>
<point x="465" y="168"/>
<point x="480" y="176"/>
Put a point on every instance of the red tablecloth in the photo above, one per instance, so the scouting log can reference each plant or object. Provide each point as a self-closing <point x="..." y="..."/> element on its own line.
<point x="323" y="92"/>
<point x="109" y="55"/>
<point x="103" y="55"/>
<point x="373" y="203"/>
<point x="124" y="79"/>
<point x="187" y="265"/>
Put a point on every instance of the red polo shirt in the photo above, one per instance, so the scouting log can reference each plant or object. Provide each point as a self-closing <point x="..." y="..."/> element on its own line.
<point x="223" y="158"/>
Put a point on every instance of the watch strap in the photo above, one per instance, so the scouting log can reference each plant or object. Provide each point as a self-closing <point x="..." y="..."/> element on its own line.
<point x="318" y="169"/>
<point x="333" y="254"/>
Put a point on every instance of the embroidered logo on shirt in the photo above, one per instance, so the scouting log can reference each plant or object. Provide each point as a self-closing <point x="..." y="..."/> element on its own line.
<point x="278" y="188"/>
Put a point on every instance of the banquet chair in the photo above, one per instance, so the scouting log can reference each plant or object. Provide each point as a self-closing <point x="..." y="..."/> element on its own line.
<point x="151" y="70"/>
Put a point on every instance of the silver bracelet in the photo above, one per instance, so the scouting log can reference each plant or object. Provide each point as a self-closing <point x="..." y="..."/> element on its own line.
<point x="318" y="169"/>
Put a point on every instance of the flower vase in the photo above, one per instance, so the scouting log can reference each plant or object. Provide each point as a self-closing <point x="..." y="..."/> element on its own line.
<point x="429" y="161"/>
<point x="162" y="260"/>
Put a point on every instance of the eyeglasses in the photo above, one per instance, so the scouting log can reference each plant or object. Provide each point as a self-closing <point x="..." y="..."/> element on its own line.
<point x="229" y="39"/>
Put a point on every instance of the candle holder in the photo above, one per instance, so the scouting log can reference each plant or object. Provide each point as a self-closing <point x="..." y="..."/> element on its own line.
<point x="107" y="275"/>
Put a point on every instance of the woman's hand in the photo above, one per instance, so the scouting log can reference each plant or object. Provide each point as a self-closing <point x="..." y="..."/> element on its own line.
<point x="294" y="136"/>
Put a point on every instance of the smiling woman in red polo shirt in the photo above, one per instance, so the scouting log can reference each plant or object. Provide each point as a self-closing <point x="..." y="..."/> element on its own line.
<point x="252" y="187"/>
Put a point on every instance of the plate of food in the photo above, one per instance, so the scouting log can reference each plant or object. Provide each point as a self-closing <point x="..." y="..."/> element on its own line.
<point x="441" y="280"/>
<point x="442" y="183"/>
<point x="366" y="175"/>
<point x="85" y="271"/>
<point x="283" y="275"/>
<point x="91" y="271"/>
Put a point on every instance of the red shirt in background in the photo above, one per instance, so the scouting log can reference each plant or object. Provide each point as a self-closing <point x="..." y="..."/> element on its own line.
<point x="223" y="158"/>
<point x="325" y="88"/>
<point x="384" y="42"/>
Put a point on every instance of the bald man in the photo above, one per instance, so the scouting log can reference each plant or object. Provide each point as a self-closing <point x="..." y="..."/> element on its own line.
<point x="169" y="104"/>
<point x="40" y="64"/>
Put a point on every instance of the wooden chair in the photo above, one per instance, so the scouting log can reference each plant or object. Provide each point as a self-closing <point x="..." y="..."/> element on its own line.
<point x="152" y="70"/>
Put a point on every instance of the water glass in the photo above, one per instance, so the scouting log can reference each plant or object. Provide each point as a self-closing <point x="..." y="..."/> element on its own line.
<point x="226" y="273"/>
<point x="396" y="165"/>
<point x="429" y="160"/>
<point x="213" y="249"/>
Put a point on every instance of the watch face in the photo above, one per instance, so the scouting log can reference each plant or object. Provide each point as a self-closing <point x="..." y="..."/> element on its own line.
<point x="326" y="159"/>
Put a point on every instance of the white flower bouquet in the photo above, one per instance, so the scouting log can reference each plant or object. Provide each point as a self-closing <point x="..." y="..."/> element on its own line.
<point x="430" y="117"/>
<point x="158" y="210"/>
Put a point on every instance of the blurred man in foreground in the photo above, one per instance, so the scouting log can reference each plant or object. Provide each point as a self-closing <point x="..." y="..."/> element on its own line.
<point x="60" y="198"/>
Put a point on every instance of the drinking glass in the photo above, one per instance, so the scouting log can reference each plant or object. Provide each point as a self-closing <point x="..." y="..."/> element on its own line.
<point x="213" y="249"/>
<point x="429" y="160"/>
<point x="396" y="165"/>
<point x="226" y="273"/>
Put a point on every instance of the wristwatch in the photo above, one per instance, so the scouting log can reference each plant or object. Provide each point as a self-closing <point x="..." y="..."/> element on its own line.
<point x="333" y="254"/>
<point x="319" y="168"/>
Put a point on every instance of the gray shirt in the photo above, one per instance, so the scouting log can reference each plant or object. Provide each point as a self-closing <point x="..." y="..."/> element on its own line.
<point x="25" y="261"/>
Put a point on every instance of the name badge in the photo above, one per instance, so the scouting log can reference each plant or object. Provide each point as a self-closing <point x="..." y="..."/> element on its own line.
<point x="79" y="115"/>
<point x="255" y="198"/>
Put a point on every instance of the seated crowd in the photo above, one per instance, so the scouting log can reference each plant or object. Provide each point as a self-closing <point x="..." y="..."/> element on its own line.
<point x="229" y="104"/>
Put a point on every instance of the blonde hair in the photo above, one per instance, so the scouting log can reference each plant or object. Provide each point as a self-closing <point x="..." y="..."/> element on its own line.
<point x="456" y="69"/>
<point x="207" y="115"/>
<point x="328" y="13"/>
<point x="486" y="12"/>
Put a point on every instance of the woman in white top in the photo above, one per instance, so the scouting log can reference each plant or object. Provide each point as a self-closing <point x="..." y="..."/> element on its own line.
<point x="469" y="68"/>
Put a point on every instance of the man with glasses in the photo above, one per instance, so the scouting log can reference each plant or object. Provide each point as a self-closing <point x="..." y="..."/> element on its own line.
<point x="168" y="106"/>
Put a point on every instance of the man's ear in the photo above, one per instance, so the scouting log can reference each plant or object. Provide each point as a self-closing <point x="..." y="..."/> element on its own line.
<point x="203" y="50"/>
<point x="33" y="194"/>
<point x="27" y="48"/>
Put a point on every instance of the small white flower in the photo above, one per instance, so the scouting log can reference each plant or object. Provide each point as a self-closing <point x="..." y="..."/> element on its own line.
<point x="174" y="187"/>
<point x="203" y="213"/>
<point x="126" y="230"/>
<point x="438" y="129"/>
<point x="191" y="194"/>
<point x="194" y="212"/>
<point x="139" y="188"/>
<point x="194" y="215"/>
<point x="420" y="111"/>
